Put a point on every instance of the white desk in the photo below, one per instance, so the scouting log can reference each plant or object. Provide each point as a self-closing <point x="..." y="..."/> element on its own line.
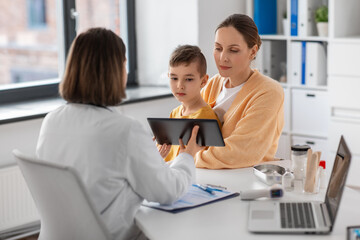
<point x="227" y="219"/>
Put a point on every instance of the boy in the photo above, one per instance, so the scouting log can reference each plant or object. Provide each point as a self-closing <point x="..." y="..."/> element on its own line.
<point x="187" y="74"/>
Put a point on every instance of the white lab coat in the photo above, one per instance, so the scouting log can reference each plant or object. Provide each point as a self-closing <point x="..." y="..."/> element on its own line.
<point x="116" y="159"/>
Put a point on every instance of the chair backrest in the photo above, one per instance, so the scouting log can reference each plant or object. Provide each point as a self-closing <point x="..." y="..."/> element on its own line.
<point x="65" y="209"/>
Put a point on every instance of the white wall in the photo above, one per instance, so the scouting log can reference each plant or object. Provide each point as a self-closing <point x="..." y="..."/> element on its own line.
<point x="21" y="135"/>
<point x="162" y="25"/>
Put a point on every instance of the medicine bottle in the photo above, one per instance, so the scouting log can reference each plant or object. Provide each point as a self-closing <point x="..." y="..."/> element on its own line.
<point x="322" y="174"/>
<point x="288" y="181"/>
<point x="298" y="160"/>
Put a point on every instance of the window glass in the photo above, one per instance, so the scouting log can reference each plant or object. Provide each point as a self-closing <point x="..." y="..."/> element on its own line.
<point x="110" y="14"/>
<point x="28" y="42"/>
<point x="33" y="46"/>
<point x="36" y="12"/>
<point x="98" y="13"/>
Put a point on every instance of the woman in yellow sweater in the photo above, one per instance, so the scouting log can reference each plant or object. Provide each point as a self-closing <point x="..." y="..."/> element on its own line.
<point x="249" y="104"/>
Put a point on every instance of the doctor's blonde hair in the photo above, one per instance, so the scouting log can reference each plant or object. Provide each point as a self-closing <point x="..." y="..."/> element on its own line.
<point x="94" y="69"/>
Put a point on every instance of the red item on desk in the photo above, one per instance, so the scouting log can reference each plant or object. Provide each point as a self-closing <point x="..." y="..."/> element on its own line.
<point x="322" y="164"/>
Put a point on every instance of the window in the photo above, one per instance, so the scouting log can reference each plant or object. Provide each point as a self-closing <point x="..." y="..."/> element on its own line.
<point x="35" y="37"/>
<point x="118" y="15"/>
<point x="36" y="13"/>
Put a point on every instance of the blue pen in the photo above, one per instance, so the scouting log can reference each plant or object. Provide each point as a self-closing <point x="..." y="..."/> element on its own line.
<point x="206" y="189"/>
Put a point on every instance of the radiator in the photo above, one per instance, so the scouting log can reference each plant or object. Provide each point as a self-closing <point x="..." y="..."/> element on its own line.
<point x="17" y="208"/>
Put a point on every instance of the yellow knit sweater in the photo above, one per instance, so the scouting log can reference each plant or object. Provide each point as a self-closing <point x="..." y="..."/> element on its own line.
<point x="252" y="125"/>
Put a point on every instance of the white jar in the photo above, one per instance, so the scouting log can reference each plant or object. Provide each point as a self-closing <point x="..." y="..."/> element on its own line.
<point x="288" y="181"/>
<point x="298" y="160"/>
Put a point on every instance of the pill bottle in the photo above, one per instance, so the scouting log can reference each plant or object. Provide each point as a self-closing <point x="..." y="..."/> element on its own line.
<point x="288" y="181"/>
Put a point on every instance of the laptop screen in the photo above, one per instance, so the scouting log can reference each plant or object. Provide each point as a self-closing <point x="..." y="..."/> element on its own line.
<point x="337" y="179"/>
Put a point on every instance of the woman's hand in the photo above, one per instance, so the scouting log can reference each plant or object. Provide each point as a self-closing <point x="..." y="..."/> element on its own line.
<point x="192" y="147"/>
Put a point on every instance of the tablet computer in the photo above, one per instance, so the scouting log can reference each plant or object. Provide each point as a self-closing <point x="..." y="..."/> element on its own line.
<point x="169" y="130"/>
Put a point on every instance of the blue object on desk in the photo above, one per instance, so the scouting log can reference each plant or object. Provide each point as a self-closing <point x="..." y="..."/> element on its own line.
<point x="214" y="189"/>
<point x="206" y="189"/>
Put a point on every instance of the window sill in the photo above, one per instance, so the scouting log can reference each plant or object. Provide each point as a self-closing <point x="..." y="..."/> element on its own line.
<point x="14" y="112"/>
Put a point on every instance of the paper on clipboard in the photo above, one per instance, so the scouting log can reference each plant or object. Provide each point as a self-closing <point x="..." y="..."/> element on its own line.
<point x="195" y="197"/>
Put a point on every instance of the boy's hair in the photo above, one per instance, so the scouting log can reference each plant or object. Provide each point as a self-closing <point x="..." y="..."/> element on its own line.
<point x="186" y="54"/>
<point x="94" y="69"/>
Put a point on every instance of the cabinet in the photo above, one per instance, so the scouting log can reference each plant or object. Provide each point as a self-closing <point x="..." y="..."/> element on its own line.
<point x="322" y="105"/>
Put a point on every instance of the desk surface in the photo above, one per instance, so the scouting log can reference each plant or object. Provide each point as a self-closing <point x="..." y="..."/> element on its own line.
<point x="227" y="219"/>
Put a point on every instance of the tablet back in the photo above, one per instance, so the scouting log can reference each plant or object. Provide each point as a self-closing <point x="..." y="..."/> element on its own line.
<point x="169" y="130"/>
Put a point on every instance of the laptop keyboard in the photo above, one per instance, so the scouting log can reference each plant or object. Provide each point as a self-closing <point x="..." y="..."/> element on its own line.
<point x="296" y="215"/>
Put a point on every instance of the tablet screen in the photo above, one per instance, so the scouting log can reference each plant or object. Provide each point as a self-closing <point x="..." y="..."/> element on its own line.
<point x="169" y="130"/>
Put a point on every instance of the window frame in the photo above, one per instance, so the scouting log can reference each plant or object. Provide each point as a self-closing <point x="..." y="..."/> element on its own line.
<point x="49" y="89"/>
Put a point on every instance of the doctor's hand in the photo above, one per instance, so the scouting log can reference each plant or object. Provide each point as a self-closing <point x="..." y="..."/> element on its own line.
<point x="192" y="147"/>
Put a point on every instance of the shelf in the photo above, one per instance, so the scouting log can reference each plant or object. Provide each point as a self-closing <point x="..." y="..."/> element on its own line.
<point x="341" y="49"/>
<point x="273" y="37"/>
<point x="310" y="39"/>
<point x="321" y="88"/>
<point x="308" y="135"/>
<point x="284" y="84"/>
<point x="350" y="39"/>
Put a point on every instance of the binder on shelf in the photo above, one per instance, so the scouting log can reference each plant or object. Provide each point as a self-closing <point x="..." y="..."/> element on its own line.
<point x="294" y="17"/>
<point x="306" y="13"/>
<point x="269" y="59"/>
<point x="303" y="63"/>
<point x="265" y="16"/>
<point x="315" y="64"/>
<point x="262" y="61"/>
<point x="308" y="63"/>
<point x="296" y="62"/>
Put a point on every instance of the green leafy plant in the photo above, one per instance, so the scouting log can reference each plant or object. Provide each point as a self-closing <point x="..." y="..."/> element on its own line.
<point x="322" y="14"/>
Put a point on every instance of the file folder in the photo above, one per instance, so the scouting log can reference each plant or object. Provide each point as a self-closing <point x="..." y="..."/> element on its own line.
<point x="306" y="17"/>
<point x="265" y="16"/>
<point x="315" y="64"/>
<point x="270" y="57"/>
<point x="294" y="17"/>
<point x="296" y="63"/>
<point x="303" y="63"/>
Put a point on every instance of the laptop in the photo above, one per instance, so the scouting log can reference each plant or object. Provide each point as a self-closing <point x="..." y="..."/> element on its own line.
<point x="304" y="217"/>
<point x="169" y="130"/>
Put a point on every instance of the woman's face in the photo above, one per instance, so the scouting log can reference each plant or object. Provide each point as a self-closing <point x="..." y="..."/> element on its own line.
<point x="231" y="52"/>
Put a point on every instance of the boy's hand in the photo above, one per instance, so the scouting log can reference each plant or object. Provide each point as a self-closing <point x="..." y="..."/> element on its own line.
<point x="192" y="147"/>
<point x="164" y="150"/>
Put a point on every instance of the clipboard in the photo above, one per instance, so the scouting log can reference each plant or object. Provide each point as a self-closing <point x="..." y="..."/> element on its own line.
<point x="192" y="199"/>
<point x="169" y="130"/>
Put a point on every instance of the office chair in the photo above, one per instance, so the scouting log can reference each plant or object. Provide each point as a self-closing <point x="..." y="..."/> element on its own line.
<point x="65" y="209"/>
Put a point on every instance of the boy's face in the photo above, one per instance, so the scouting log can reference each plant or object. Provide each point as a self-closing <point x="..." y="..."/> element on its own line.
<point x="186" y="82"/>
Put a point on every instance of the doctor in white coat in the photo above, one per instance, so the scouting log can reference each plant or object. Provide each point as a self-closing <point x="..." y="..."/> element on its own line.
<point x="113" y="154"/>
